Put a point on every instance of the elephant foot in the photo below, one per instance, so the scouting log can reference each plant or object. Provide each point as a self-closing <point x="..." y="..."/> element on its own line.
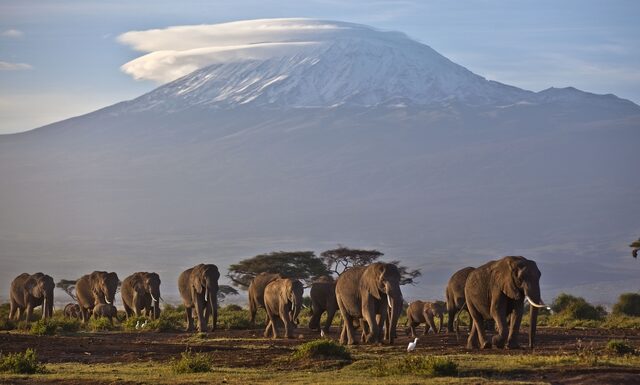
<point x="498" y="342"/>
<point x="486" y="345"/>
<point x="513" y="345"/>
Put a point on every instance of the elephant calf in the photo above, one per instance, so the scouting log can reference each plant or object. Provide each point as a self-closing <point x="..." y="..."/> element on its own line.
<point x="72" y="310"/>
<point x="419" y="312"/>
<point x="323" y="298"/>
<point x="105" y="310"/>
<point x="282" y="300"/>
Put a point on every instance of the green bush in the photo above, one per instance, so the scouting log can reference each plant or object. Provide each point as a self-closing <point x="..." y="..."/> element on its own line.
<point x="68" y="325"/>
<point x="7" y="324"/>
<point x="577" y="308"/>
<point x="620" y="347"/>
<point x="4" y="310"/>
<point x="233" y="319"/>
<point x="169" y="321"/>
<point x="232" y="307"/>
<point x="322" y="349"/>
<point x="21" y="363"/>
<point x="43" y="327"/>
<point x="429" y="366"/>
<point x="100" y="324"/>
<point x="616" y="321"/>
<point x="628" y="304"/>
<point x="192" y="363"/>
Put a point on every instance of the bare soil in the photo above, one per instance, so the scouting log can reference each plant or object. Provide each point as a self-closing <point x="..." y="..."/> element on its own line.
<point x="247" y="348"/>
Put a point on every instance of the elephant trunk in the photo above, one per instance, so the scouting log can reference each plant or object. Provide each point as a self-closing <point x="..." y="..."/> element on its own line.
<point x="155" y="302"/>
<point x="394" y="300"/>
<point x="535" y="302"/>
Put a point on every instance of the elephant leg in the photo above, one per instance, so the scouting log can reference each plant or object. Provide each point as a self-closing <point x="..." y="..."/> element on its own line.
<point x="429" y="323"/>
<point x="267" y="329"/>
<point x="499" y="313"/>
<point x="477" y="329"/>
<point x="514" y="327"/>
<point x="343" y="332"/>
<point x="200" y="304"/>
<point x="13" y="311"/>
<point x="370" y="317"/>
<point x="189" y="315"/>
<point x="452" y="316"/>
<point x="285" y="316"/>
<point x="316" y="314"/>
<point x="472" y="341"/>
<point x="412" y="328"/>
<point x="441" y="318"/>
<point x="29" y="312"/>
<point x="330" y="314"/>
<point x="252" y="311"/>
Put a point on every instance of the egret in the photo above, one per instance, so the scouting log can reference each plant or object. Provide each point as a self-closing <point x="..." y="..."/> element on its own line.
<point x="412" y="345"/>
<point x="144" y="324"/>
<point x="138" y="325"/>
<point x="322" y="333"/>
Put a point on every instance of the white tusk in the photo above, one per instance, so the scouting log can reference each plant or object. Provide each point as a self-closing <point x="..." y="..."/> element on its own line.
<point x="535" y="304"/>
<point x="389" y="301"/>
<point x="153" y="299"/>
<point x="106" y="300"/>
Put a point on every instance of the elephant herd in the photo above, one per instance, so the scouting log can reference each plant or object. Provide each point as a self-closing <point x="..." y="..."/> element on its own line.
<point x="368" y="297"/>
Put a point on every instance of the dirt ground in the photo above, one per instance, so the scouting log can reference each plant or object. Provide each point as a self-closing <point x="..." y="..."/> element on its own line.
<point x="247" y="348"/>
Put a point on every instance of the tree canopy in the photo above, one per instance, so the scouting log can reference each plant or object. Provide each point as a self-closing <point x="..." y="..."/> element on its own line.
<point x="224" y="291"/>
<point x="69" y="287"/>
<point x="340" y="259"/>
<point x="302" y="265"/>
<point x="635" y="245"/>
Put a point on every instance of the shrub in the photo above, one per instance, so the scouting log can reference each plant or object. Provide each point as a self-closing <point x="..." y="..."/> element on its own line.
<point x="577" y="308"/>
<point x="616" y="321"/>
<point x="628" y="304"/>
<point x="429" y="366"/>
<point x="620" y="347"/>
<point x="192" y="363"/>
<point x="233" y="319"/>
<point x="7" y="324"/>
<point x="67" y="325"/>
<point x="43" y="327"/>
<point x="100" y="324"/>
<point x="232" y="307"/>
<point x="21" y="363"/>
<point x="322" y="349"/>
<point x="169" y="321"/>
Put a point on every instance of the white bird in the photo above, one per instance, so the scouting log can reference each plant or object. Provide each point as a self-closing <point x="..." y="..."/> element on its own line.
<point x="322" y="333"/>
<point x="138" y="325"/>
<point x="412" y="345"/>
<point x="144" y="324"/>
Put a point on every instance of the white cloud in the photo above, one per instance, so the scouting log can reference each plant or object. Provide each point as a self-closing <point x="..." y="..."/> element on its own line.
<point x="8" y="66"/>
<point x="14" y="33"/>
<point x="176" y="51"/>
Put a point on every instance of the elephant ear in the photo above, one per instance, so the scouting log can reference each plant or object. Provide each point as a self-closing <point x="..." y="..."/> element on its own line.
<point x="154" y="277"/>
<point x="197" y="278"/>
<point x="507" y="274"/>
<point x="372" y="277"/>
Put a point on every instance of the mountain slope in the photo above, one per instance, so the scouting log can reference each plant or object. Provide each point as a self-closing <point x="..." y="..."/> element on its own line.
<point x="367" y="139"/>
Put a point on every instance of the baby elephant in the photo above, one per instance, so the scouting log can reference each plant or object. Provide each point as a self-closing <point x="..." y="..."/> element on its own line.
<point x="105" y="310"/>
<point x="419" y="312"/>
<point x="72" y="310"/>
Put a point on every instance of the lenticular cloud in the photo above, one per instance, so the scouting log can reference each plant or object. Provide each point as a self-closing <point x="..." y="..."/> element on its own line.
<point x="176" y="51"/>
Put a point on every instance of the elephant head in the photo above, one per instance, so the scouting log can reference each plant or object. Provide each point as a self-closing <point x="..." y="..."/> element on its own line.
<point x="382" y="281"/>
<point x="104" y="286"/>
<point x="204" y="279"/>
<point x="519" y="278"/>
<point x="41" y="286"/>
<point x="151" y="284"/>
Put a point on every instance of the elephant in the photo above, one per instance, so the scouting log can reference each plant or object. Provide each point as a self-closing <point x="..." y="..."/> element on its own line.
<point x="367" y="292"/>
<point x="497" y="290"/>
<point x="455" y="295"/>
<point x="105" y="310"/>
<point x="323" y="298"/>
<point x="282" y="300"/>
<point x="198" y="288"/>
<point x="141" y="291"/>
<point x="71" y="310"/>
<point x="256" y="292"/>
<point x="95" y="288"/>
<point x="29" y="291"/>
<point x="419" y="312"/>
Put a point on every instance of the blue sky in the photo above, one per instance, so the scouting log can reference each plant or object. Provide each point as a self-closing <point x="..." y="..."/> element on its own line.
<point x="61" y="58"/>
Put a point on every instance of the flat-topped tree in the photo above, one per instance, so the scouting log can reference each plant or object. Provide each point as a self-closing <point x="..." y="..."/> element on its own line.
<point x="635" y="247"/>
<point x="69" y="287"/>
<point x="302" y="265"/>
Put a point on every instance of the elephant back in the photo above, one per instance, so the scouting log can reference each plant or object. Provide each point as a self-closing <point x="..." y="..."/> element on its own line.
<point x="259" y="284"/>
<point x="348" y="290"/>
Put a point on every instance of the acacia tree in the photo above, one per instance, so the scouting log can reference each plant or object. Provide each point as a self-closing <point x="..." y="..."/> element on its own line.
<point x="302" y="265"/>
<point x="69" y="287"/>
<point x="635" y="247"/>
<point x="224" y="291"/>
<point x="340" y="259"/>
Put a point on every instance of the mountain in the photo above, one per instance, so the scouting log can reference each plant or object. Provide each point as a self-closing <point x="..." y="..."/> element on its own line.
<point x="337" y="134"/>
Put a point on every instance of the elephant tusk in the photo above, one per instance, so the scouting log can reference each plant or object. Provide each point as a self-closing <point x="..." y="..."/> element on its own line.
<point x="535" y="304"/>
<point x="389" y="301"/>
<point x="106" y="300"/>
<point x="153" y="298"/>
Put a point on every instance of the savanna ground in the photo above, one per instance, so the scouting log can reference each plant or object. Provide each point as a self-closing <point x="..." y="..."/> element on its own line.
<point x="562" y="356"/>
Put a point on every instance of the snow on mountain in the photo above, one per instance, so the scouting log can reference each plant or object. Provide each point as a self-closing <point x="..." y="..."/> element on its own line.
<point x="295" y="134"/>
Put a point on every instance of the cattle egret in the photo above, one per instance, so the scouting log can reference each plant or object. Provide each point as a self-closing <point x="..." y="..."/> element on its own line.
<point x="412" y="345"/>
<point x="138" y="325"/>
<point x="322" y="333"/>
<point x="144" y="324"/>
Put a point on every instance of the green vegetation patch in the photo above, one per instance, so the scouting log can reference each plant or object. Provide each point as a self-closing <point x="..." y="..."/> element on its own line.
<point x="100" y="324"/>
<point x="620" y="347"/>
<point x="44" y="327"/>
<point x="628" y="304"/>
<point x="323" y="350"/>
<point x="190" y="362"/>
<point x="21" y="363"/>
<point x="417" y="365"/>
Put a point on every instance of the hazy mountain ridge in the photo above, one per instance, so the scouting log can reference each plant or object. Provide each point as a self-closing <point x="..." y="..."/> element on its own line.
<point x="415" y="155"/>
